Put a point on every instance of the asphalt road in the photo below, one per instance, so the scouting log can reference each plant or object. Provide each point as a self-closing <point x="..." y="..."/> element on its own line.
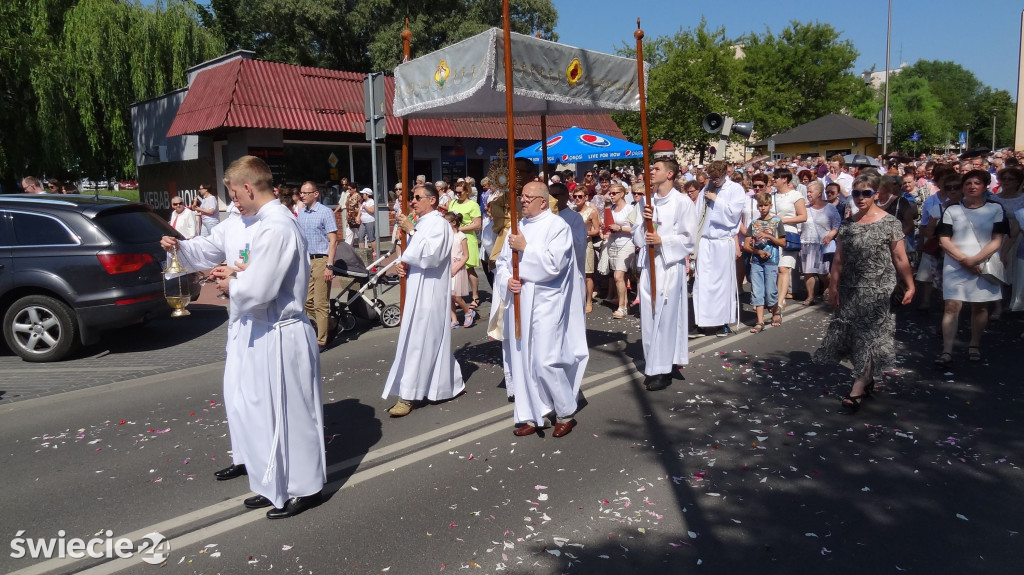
<point x="744" y="466"/>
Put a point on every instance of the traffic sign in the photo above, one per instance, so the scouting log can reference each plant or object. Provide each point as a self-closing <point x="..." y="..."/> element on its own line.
<point x="915" y="137"/>
<point x="963" y="138"/>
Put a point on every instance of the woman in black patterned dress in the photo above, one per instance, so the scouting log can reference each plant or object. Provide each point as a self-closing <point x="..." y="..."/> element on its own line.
<point x="869" y="254"/>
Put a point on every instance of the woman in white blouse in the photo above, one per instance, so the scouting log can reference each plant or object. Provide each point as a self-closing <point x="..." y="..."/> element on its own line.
<point x="790" y="206"/>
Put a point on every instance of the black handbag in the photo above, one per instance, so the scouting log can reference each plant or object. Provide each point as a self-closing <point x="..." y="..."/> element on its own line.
<point x="896" y="298"/>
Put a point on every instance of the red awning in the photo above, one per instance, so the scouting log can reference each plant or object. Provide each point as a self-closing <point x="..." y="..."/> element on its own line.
<point x="245" y="93"/>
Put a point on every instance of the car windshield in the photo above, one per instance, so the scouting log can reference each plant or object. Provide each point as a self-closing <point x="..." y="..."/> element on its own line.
<point x="133" y="227"/>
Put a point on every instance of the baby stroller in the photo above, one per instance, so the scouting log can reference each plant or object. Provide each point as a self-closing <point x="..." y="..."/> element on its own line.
<point x="352" y="303"/>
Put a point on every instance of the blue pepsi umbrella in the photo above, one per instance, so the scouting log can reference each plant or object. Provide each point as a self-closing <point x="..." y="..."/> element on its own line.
<point x="579" y="145"/>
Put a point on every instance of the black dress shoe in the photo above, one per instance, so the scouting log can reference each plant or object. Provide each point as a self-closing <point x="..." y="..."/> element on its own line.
<point x="230" y="472"/>
<point x="322" y="348"/>
<point x="295" y="505"/>
<point x="257" y="502"/>
<point x="659" y="382"/>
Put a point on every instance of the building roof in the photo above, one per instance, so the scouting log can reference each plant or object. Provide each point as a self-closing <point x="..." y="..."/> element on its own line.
<point x="824" y="129"/>
<point x="245" y="93"/>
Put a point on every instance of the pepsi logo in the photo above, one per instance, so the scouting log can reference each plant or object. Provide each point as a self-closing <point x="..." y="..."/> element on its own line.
<point x="565" y="157"/>
<point x="629" y="153"/>
<point x="594" y="140"/>
<point x="554" y="141"/>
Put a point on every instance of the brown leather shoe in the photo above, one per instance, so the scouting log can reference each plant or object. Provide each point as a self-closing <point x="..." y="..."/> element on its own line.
<point x="563" y="428"/>
<point x="524" y="430"/>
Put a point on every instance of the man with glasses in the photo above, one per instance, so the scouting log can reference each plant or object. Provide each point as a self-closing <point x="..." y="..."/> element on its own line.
<point x="675" y="232"/>
<point x="184" y="220"/>
<point x="715" y="298"/>
<point x="321" y="230"/>
<point x="32" y="185"/>
<point x="542" y="365"/>
<point x="424" y="368"/>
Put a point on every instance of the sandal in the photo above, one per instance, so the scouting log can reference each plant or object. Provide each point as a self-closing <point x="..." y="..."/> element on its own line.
<point x="620" y="313"/>
<point x="807" y="302"/>
<point x="974" y="353"/>
<point x="758" y="328"/>
<point x="944" y="361"/>
<point x="851" y="403"/>
<point x="470" y="317"/>
<point x="776" y="319"/>
<point x="475" y="303"/>
<point x="455" y="323"/>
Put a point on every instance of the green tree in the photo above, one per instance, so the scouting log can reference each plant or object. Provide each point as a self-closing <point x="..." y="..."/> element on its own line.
<point x="365" y="35"/>
<point x="75" y="68"/>
<point x="940" y="100"/>
<point x="693" y="73"/>
<point x="957" y="88"/>
<point x="801" y="74"/>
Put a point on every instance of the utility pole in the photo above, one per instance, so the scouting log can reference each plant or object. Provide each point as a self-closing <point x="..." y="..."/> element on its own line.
<point x="885" y="117"/>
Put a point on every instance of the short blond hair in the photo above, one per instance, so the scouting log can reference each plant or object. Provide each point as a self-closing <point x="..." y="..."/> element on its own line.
<point x="250" y="170"/>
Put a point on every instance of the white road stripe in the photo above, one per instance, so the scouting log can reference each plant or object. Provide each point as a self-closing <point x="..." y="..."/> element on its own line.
<point x="246" y="518"/>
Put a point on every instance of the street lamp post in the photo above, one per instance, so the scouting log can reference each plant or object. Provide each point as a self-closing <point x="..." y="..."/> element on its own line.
<point x="994" y="111"/>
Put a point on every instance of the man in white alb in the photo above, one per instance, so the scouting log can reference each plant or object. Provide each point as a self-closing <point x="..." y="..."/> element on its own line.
<point x="540" y="362"/>
<point x="675" y="230"/>
<point x="719" y="211"/>
<point x="272" y="369"/>
<point x="424" y="367"/>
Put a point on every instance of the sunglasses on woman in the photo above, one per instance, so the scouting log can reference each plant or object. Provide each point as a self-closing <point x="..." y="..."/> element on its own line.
<point x="862" y="193"/>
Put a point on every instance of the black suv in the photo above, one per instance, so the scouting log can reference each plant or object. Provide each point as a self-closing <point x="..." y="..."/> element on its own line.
<point x="71" y="266"/>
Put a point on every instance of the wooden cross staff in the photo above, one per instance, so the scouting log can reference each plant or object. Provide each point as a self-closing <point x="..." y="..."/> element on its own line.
<point x="648" y="224"/>
<point x="510" y="120"/>
<point x="402" y="236"/>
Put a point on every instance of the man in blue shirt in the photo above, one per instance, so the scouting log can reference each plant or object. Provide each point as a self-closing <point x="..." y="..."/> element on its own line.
<point x="318" y="225"/>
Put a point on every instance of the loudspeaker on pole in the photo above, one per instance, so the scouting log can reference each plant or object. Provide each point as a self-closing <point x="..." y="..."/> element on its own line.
<point x="712" y="123"/>
<point x="743" y="128"/>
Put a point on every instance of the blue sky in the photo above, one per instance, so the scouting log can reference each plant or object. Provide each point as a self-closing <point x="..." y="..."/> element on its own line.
<point x="982" y="36"/>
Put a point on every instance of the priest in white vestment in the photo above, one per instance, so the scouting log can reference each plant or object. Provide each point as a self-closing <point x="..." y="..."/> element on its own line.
<point x="577" y="332"/>
<point x="719" y="211"/>
<point x="663" y="332"/>
<point x="424" y="367"/>
<point x="272" y="370"/>
<point x="541" y="362"/>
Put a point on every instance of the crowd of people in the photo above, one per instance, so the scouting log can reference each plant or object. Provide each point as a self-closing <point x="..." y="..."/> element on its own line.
<point x="862" y="238"/>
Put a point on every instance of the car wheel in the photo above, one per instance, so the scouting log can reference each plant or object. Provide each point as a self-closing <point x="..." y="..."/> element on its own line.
<point x="40" y="328"/>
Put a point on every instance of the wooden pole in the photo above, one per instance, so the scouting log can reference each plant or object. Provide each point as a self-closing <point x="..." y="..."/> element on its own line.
<point x="649" y="225"/>
<point x="544" y="148"/>
<point x="404" y="196"/>
<point x="510" y="121"/>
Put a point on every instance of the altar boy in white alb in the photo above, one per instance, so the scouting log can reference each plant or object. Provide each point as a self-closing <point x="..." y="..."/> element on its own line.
<point x="275" y="412"/>
<point x="543" y="362"/>
<point x="675" y="227"/>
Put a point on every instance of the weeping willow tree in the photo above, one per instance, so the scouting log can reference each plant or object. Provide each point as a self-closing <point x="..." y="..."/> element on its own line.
<point x="87" y="61"/>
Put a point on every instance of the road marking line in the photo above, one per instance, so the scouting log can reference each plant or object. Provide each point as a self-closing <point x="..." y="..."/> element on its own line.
<point x="246" y="518"/>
